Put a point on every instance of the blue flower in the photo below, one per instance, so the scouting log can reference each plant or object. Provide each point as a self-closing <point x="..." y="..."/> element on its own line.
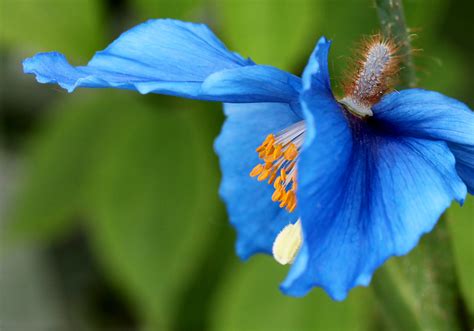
<point x="354" y="180"/>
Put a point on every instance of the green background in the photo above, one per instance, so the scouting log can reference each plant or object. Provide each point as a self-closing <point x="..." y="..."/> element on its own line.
<point x="109" y="214"/>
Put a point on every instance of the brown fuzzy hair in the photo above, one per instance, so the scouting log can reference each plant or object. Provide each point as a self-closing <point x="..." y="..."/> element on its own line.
<point x="374" y="72"/>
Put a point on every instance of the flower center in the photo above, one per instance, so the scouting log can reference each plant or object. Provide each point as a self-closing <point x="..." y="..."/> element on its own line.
<point x="372" y="78"/>
<point x="279" y="154"/>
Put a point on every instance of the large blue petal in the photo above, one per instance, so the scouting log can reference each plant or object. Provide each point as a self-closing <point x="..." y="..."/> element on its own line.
<point x="364" y="195"/>
<point x="254" y="215"/>
<point x="427" y="114"/>
<point x="168" y="57"/>
<point x="252" y="83"/>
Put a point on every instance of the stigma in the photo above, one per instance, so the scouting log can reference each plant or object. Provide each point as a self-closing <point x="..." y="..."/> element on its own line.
<point x="279" y="154"/>
<point x="287" y="244"/>
<point x="372" y="78"/>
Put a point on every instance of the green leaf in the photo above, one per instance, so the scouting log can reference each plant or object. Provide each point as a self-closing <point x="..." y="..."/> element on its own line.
<point x="70" y="26"/>
<point x="439" y="67"/>
<point x="55" y="178"/>
<point x="178" y="9"/>
<point x="270" y="32"/>
<point x="250" y="300"/>
<point x="420" y="291"/>
<point x="461" y="224"/>
<point x="146" y="180"/>
<point x="447" y="65"/>
<point x="345" y="27"/>
<point x="419" y="17"/>
<point x="153" y="202"/>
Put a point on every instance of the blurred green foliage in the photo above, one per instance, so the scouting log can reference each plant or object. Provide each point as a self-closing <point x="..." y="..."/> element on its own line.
<point x="282" y="33"/>
<point x="136" y="175"/>
<point x="248" y="301"/>
<point x="461" y="222"/>
<point x="185" y="9"/>
<point x="74" y="27"/>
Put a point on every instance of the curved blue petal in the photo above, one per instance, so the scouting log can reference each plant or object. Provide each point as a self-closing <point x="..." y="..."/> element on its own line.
<point x="432" y="115"/>
<point x="426" y="114"/>
<point x="164" y="56"/>
<point x="252" y="83"/>
<point x="316" y="74"/>
<point x="253" y="214"/>
<point x="464" y="155"/>
<point x="364" y="196"/>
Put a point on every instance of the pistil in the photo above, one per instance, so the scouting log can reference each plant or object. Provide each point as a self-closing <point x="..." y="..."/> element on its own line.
<point x="372" y="78"/>
<point x="288" y="243"/>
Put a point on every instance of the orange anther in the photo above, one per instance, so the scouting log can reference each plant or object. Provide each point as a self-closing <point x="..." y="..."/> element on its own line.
<point x="256" y="170"/>
<point x="272" y="177"/>
<point x="278" y="151"/>
<point x="277" y="195"/>
<point x="269" y="151"/>
<point x="291" y="208"/>
<point x="278" y="169"/>
<point x="291" y="197"/>
<point x="264" y="145"/>
<point x="291" y="200"/>
<point x="284" y="199"/>
<point x="291" y="152"/>
<point x="268" y="158"/>
<point x="269" y="138"/>
<point x="277" y="183"/>
<point x="264" y="175"/>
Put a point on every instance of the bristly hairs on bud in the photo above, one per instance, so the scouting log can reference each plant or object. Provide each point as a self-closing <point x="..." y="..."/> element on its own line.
<point x="373" y="75"/>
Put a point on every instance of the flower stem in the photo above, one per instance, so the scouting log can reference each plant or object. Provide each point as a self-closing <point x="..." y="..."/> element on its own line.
<point x="418" y="291"/>
<point x="392" y="21"/>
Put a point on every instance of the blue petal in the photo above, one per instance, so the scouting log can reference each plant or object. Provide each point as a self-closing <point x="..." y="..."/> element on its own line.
<point x="163" y="56"/>
<point x="253" y="83"/>
<point x="431" y="115"/>
<point x="316" y="74"/>
<point x="427" y="114"/>
<point x="363" y="196"/>
<point x="254" y="215"/>
<point x="464" y="155"/>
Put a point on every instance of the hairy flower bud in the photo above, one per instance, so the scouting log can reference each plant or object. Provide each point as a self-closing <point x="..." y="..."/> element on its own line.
<point x="373" y="76"/>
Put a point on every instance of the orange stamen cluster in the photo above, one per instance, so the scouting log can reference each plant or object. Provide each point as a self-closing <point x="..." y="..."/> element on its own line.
<point x="278" y="168"/>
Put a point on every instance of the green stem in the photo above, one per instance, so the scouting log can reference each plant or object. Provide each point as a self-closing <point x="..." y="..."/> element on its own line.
<point x="418" y="291"/>
<point x="392" y="21"/>
<point x="395" y="302"/>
